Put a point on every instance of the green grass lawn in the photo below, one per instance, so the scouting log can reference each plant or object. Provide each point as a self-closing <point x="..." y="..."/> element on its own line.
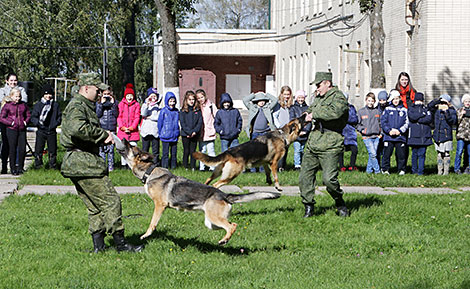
<point x="289" y="177"/>
<point x="401" y="241"/>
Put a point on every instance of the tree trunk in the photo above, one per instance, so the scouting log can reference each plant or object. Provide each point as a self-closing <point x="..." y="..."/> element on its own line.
<point x="130" y="53"/>
<point x="169" y="45"/>
<point x="377" y="40"/>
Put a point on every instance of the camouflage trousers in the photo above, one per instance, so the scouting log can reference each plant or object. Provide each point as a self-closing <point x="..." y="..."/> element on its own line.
<point x="312" y="162"/>
<point x="103" y="203"/>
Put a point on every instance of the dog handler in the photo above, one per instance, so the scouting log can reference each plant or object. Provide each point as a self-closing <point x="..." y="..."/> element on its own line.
<point x="329" y="114"/>
<point x="82" y="136"/>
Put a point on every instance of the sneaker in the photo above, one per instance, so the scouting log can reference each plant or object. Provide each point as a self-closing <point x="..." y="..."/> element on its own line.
<point x="467" y="171"/>
<point x="385" y="173"/>
<point x="352" y="169"/>
<point x="401" y="173"/>
<point x="343" y="169"/>
<point x="297" y="168"/>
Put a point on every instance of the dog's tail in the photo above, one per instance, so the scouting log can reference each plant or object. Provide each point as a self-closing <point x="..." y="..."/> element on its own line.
<point x="234" y="198"/>
<point x="208" y="160"/>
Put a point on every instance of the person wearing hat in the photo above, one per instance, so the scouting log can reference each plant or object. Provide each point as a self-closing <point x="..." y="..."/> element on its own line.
<point x="394" y="123"/>
<point x="329" y="114"/>
<point x="81" y="137"/>
<point x="463" y="133"/>
<point x="149" y="128"/>
<point x="107" y="112"/>
<point x="419" y="133"/>
<point x="260" y="106"/>
<point x="445" y="116"/>
<point x="46" y="116"/>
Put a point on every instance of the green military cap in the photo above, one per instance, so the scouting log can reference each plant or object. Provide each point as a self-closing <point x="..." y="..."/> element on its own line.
<point x="322" y="75"/>
<point x="91" y="78"/>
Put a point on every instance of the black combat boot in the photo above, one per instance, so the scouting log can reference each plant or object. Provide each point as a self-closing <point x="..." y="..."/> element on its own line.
<point x="122" y="245"/>
<point x="98" y="241"/>
<point x="308" y="210"/>
<point x="341" y="208"/>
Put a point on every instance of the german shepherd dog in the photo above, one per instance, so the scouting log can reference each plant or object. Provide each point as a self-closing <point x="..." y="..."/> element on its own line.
<point x="264" y="150"/>
<point x="169" y="191"/>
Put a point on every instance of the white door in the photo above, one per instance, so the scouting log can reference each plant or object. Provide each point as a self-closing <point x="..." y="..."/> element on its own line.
<point x="238" y="86"/>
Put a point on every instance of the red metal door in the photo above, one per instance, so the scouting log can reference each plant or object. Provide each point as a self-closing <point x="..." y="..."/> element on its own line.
<point x="194" y="79"/>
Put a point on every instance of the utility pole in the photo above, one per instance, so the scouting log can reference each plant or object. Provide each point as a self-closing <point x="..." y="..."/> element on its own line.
<point x="105" y="56"/>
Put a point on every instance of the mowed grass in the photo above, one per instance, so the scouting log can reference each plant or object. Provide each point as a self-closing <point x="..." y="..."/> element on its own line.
<point x="289" y="177"/>
<point x="402" y="241"/>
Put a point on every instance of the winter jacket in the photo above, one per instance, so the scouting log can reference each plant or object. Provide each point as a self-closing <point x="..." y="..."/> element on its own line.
<point x="267" y="109"/>
<point x="129" y="116"/>
<point x="443" y="121"/>
<point x="15" y="116"/>
<point x="53" y="119"/>
<point x="349" y="131"/>
<point x="190" y="121"/>
<point x="463" y="124"/>
<point x="419" y="130"/>
<point x="209" y="110"/>
<point x="295" y="111"/>
<point x="150" y="115"/>
<point x="108" y="113"/>
<point x="228" y="122"/>
<point x="369" y="122"/>
<point x="168" y="119"/>
<point x="394" y="117"/>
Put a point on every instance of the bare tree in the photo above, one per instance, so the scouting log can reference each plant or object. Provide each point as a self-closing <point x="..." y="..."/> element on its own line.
<point x="230" y="14"/>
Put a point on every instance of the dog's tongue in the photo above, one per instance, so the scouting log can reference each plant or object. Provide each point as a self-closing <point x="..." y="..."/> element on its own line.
<point x="118" y="143"/>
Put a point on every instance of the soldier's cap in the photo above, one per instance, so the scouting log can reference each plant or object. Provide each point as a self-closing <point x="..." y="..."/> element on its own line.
<point x="91" y="78"/>
<point x="322" y="75"/>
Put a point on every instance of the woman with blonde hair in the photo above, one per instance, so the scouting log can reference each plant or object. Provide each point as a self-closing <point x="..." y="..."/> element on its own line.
<point x="281" y="116"/>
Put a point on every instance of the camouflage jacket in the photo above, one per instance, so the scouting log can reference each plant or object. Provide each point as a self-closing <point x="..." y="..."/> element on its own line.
<point x="330" y="115"/>
<point x="463" y="125"/>
<point x="81" y="136"/>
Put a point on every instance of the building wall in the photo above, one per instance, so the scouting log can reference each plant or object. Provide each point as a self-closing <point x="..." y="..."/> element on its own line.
<point x="435" y="53"/>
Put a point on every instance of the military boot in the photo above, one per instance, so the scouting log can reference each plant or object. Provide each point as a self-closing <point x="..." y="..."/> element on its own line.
<point x="308" y="210"/>
<point x="342" y="211"/>
<point x="98" y="242"/>
<point x="122" y="245"/>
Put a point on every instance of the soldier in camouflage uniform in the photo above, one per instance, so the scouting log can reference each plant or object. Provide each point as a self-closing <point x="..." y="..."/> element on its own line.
<point x="81" y="136"/>
<point x="329" y="114"/>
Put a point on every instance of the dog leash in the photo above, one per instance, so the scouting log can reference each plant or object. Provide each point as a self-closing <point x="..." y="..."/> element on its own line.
<point x="148" y="172"/>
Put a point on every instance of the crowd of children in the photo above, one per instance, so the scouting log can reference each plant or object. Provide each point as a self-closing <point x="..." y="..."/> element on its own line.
<point x="394" y="121"/>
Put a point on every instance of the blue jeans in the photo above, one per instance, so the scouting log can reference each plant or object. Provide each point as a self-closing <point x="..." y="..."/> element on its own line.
<point x="371" y="146"/>
<point x="169" y="147"/>
<point x="298" y="152"/>
<point x="225" y="144"/>
<point x="461" y="144"/>
<point x="418" y="157"/>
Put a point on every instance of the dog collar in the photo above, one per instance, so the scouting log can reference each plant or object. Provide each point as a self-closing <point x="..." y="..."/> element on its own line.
<point x="148" y="172"/>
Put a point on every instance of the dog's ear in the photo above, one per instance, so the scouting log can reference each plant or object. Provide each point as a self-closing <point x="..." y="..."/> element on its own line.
<point x="302" y="119"/>
<point x="292" y="127"/>
<point x="146" y="157"/>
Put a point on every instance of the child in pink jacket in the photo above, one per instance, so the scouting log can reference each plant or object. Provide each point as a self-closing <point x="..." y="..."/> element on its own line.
<point x="129" y="118"/>
<point x="208" y="135"/>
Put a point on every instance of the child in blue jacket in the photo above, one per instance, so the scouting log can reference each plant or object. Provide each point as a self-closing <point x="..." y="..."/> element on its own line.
<point x="227" y="123"/>
<point x="350" y="140"/>
<point x="445" y="116"/>
<point x="107" y="112"/>
<point x="394" y="122"/>
<point x="419" y="133"/>
<point x="168" y="129"/>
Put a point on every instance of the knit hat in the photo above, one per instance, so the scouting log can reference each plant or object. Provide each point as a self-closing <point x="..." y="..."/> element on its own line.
<point x="382" y="95"/>
<point x="465" y="97"/>
<point x="445" y="97"/>
<point x="300" y="93"/>
<point x="419" y="96"/>
<point x="394" y="93"/>
<point x="47" y="89"/>
<point x="129" y="89"/>
<point x="152" y="90"/>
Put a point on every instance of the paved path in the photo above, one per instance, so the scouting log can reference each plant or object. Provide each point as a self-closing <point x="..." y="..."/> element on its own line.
<point x="9" y="185"/>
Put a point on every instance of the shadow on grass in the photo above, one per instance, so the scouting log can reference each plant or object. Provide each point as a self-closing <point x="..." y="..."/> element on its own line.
<point x="203" y="247"/>
<point x="262" y="211"/>
<point x="353" y="205"/>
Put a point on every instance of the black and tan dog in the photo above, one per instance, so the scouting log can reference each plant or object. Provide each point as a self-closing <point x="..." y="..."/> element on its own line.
<point x="169" y="191"/>
<point x="264" y="150"/>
